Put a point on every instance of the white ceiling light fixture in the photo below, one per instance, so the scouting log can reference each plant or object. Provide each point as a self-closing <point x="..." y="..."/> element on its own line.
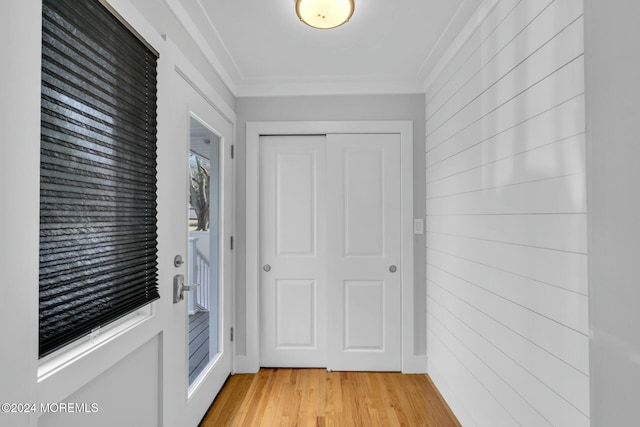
<point x="324" y="14"/>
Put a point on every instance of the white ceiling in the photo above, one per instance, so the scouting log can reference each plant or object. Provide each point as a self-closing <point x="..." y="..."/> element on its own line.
<point x="260" y="47"/>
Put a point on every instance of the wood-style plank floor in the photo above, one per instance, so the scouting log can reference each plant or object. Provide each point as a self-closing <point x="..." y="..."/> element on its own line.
<point x="315" y="397"/>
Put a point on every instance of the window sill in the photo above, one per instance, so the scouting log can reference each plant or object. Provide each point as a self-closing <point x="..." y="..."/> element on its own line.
<point x="66" y="356"/>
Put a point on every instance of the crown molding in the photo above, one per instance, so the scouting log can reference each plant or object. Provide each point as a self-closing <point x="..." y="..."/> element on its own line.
<point x="479" y="16"/>
<point x="227" y="53"/>
<point x="182" y="16"/>
<point x="444" y="40"/>
<point x="239" y="85"/>
<point x="338" y="86"/>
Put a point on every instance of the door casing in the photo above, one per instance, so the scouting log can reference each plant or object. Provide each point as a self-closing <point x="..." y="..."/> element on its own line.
<point x="250" y="361"/>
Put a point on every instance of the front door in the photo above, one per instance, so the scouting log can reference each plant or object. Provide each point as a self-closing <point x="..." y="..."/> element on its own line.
<point x="330" y="246"/>
<point x="198" y="347"/>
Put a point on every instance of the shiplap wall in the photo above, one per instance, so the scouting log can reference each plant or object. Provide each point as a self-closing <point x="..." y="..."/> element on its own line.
<point x="507" y="311"/>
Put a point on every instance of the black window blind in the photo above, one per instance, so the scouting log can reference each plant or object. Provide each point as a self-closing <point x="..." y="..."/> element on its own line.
<point x="98" y="233"/>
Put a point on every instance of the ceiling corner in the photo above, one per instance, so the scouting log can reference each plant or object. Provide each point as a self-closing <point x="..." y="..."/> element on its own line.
<point x="215" y="53"/>
<point x="457" y="22"/>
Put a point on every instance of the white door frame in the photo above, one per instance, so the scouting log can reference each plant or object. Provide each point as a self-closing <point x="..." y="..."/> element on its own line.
<point x="251" y="361"/>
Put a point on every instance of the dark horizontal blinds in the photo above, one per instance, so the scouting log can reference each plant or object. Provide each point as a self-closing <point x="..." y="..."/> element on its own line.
<point x="98" y="238"/>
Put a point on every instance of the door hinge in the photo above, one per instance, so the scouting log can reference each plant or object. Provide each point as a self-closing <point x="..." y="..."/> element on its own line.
<point x="231" y="334"/>
<point x="233" y="151"/>
<point x="231" y="242"/>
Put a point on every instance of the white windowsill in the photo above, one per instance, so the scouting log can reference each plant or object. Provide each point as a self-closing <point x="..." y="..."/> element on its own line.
<point x="65" y="356"/>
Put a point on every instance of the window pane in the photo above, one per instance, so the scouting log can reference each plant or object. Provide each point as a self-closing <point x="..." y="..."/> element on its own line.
<point x="97" y="174"/>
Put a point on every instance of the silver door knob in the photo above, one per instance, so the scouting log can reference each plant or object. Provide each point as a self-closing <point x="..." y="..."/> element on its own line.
<point x="393" y="269"/>
<point x="179" y="288"/>
<point x="267" y="268"/>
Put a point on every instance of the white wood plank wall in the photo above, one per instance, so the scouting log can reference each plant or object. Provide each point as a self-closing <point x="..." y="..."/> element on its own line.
<point x="507" y="339"/>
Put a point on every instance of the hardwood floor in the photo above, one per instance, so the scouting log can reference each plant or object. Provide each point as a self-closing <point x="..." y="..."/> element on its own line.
<point x="315" y="397"/>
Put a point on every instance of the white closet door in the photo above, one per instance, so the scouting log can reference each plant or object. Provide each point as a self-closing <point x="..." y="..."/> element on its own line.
<point x="330" y="246"/>
<point x="293" y="251"/>
<point x="363" y="257"/>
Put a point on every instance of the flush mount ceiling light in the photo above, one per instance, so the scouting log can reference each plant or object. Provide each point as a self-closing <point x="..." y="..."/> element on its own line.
<point x="324" y="14"/>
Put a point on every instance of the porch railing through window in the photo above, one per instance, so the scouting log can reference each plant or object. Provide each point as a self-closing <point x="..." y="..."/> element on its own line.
<point x="199" y="272"/>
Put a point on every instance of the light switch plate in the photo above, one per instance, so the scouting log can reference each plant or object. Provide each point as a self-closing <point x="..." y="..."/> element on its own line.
<point x="418" y="226"/>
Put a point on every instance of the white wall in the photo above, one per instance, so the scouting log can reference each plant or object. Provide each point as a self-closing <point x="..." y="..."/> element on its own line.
<point x="138" y="394"/>
<point x="367" y="107"/>
<point x="20" y="28"/>
<point x="506" y="208"/>
<point x="613" y="150"/>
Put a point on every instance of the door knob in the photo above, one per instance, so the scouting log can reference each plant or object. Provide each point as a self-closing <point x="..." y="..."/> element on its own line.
<point x="393" y="269"/>
<point x="179" y="288"/>
<point x="267" y="268"/>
